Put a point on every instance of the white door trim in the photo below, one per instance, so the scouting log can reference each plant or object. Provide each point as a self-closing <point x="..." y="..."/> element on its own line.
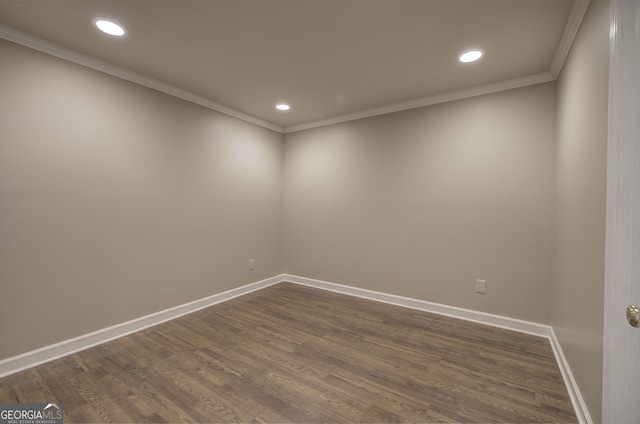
<point x="622" y="269"/>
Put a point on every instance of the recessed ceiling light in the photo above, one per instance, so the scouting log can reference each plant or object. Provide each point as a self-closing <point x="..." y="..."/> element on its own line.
<point x="470" y="56"/>
<point x="109" y="27"/>
<point x="283" y="106"/>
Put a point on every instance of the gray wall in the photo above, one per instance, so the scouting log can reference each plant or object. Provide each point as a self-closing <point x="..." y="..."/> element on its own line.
<point x="421" y="203"/>
<point x="117" y="201"/>
<point x="578" y="287"/>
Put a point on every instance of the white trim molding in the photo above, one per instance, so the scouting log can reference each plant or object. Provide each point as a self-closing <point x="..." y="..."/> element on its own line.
<point x="573" y="24"/>
<point x="571" y="29"/>
<point x="528" y="327"/>
<point x="621" y="342"/>
<point x="579" y="405"/>
<point x="55" y="351"/>
<point x="67" y="347"/>
<point x="429" y="101"/>
<point x="49" y="47"/>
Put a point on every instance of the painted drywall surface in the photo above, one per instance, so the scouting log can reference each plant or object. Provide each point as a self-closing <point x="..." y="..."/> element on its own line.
<point x="422" y="203"/>
<point x="117" y="201"/>
<point x="578" y="286"/>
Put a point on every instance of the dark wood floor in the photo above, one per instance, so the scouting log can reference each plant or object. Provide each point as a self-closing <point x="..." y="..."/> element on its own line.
<point x="290" y="353"/>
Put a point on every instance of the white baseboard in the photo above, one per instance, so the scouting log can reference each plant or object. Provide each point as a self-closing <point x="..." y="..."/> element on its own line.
<point x="542" y="330"/>
<point x="579" y="406"/>
<point x="49" y="353"/>
<point x="45" y="354"/>
<point x="514" y="324"/>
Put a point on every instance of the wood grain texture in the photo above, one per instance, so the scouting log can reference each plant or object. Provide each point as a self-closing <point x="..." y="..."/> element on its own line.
<point x="290" y="353"/>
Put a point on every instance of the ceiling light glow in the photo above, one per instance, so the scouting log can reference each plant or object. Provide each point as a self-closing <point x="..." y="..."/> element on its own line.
<point x="470" y="56"/>
<point x="109" y="27"/>
<point x="283" y="106"/>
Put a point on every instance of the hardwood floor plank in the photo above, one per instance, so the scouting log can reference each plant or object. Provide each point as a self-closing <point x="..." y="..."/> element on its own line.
<point x="8" y="394"/>
<point x="24" y="389"/>
<point x="61" y="388"/>
<point x="96" y="396"/>
<point x="82" y="414"/>
<point x="290" y="353"/>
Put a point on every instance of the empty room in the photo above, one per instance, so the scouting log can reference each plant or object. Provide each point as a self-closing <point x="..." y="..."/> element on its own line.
<point x="319" y="211"/>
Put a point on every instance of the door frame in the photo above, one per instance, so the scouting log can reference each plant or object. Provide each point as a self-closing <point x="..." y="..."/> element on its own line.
<point x="622" y="252"/>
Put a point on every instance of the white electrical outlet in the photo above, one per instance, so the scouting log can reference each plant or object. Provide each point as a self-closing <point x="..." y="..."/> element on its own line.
<point x="481" y="286"/>
<point x="252" y="264"/>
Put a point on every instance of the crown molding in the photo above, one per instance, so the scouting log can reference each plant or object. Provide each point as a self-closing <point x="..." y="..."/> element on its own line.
<point x="428" y="101"/>
<point x="573" y="24"/>
<point x="45" y="46"/>
<point x="570" y="30"/>
<point x="574" y="21"/>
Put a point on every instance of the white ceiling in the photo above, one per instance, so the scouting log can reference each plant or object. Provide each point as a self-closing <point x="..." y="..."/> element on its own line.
<point x="331" y="60"/>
